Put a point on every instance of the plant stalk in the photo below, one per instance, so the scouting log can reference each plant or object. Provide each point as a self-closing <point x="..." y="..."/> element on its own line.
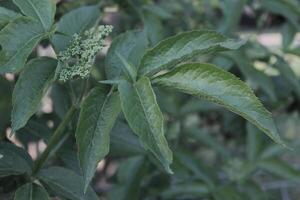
<point x="54" y="142"/>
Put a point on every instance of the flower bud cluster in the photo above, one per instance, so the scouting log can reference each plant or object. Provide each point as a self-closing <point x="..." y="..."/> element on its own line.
<point x="77" y="60"/>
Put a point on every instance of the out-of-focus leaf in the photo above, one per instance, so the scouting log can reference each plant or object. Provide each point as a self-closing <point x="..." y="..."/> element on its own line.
<point x="153" y="27"/>
<point x="226" y="193"/>
<point x="6" y="16"/>
<point x="14" y="160"/>
<point x="32" y="84"/>
<point x="17" y="45"/>
<point x="189" y="190"/>
<point x="290" y="9"/>
<point x="5" y="104"/>
<point x="75" y="21"/>
<point x="145" y="118"/>
<point x="211" y="83"/>
<point x="231" y="19"/>
<point x="131" y="45"/>
<point x="41" y="10"/>
<point x="123" y="142"/>
<point x="288" y="33"/>
<point x="97" y="117"/>
<point x="171" y="51"/>
<point x="31" y="191"/>
<point x="288" y="74"/>
<point x="253" y="191"/>
<point x="280" y="168"/>
<point x="34" y="130"/>
<point x="254" y="142"/>
<point x="61" y="99"/>
<point x="129" y="183"/>
<point x="203" y="136"/>
<point x="223" y="62"/>
<point x="158" y="11"/>
<point x="257" y="78"/>
<point x="192" y="165"/>
<point x="66" y="184"/>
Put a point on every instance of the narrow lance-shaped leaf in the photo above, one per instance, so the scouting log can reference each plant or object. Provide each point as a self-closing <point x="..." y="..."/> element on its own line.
<point x="41" y="10"/>
<point x="219" y="86"/>
<point x="31" y="191"/>
<point x="65" y="183"/>
<point x="17" y="45"/>
<point x="179" y="48"/>
<point x="140" y="108"/>
<point x="32" y="84"/>
<point x="97" y="117"/>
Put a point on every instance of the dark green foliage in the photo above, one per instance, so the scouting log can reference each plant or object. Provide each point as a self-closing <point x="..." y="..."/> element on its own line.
<point x="152" y="119"/>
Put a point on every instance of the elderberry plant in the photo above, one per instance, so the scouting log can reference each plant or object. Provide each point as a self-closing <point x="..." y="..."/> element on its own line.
<point x="147" y="106"/>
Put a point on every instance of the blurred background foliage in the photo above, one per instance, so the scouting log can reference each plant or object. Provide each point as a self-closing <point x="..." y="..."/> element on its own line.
<point x="217" y="154"/>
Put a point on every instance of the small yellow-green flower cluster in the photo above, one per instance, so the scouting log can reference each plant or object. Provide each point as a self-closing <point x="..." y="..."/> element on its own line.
<point x="77" y="60"/>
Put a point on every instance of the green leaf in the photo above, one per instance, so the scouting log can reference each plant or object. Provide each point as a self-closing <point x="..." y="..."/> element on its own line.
<point x="182" y="47"/>
<point x="75" y="21"/>
<point x="290" y="9"/>
<point x="61" y="99"/>
<point x="129" y="184"/>
<point x="226" y="193"/>
<point x="231" y="19"/>
<point x="124" y="142"/>
<point x="14" y="160"/>
<point x="31" y="191"/>
<point x="188" y="190"/>
<point x="221" y="87"/>
<point x="97" y="117"/>
<point x="140" y="108"/>
<point x="280" y="168"/>
<point x="131" y="45"/>
<point x="254" y="142"/>
<point x="203" y="135"/>
<point x="31" y="86"/>
<point x="288" y="74"/>
<point x="288" y="33"/>
<point x="66" y="183"/>
<point x="17" y="45"/>
<point x="256" y="78"/>
<point x="6" y="16"/>
<point x="41" y="10"/>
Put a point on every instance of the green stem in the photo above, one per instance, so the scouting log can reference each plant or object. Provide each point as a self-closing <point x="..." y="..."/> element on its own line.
<point x="54" y="142"/>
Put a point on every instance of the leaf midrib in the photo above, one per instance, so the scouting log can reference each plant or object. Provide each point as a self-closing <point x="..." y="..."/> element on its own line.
<point x="144" y="112"/>
<point x="37" y="13"/>
<point x="21" y="48"/>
